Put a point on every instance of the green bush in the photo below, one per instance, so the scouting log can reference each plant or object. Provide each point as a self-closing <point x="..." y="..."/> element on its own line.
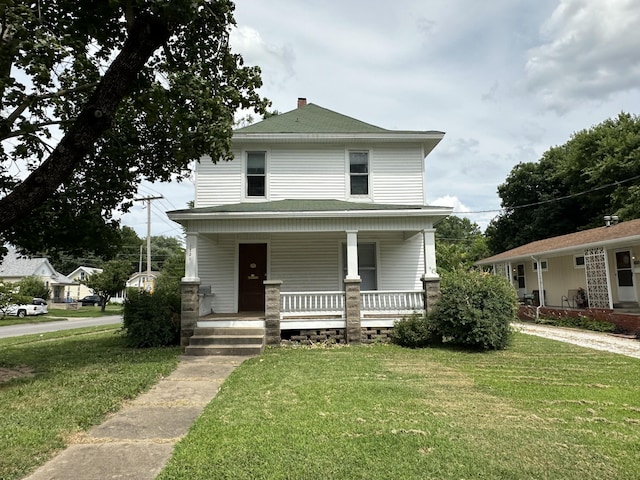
<point x="413" y="331"/>
<point x="33" y="287"/>
<point x="475" y="310"/>
<point x="151" y="320"/>
<point x="585" y="323"/>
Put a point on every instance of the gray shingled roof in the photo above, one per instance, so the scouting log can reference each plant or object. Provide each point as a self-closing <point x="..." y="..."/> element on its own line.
<point x="315" y="119"/>
<point x="299" y="206"/>
<point x="16" y="265"/>
<point x="602" y="235"/>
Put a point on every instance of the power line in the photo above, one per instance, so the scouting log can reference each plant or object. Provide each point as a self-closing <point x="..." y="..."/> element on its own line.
<point x="558" y="199"/>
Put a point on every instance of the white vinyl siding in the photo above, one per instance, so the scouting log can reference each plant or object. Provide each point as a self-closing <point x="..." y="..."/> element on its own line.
<point x="316" y="172"/>
<point x="217" y="267"/>
<point x="220" y="183"/>
<point x="397" y="175"/>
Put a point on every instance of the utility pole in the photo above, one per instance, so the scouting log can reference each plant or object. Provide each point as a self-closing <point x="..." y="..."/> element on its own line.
<point x="148" y="200"/>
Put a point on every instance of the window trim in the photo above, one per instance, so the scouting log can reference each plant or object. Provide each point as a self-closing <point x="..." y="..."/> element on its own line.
<point x="348" y="173"/>
<point x="245" y="175"/>
<point x="543" y="262"/>
<point x="575" y="261"/>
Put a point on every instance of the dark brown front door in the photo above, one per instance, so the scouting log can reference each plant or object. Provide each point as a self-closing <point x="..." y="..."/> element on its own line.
<point x="252" y="270"/>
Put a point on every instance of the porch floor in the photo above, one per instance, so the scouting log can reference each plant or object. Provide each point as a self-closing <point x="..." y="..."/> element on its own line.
<point x="233" y="316"/>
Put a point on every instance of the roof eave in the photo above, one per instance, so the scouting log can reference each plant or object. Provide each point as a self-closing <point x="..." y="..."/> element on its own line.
<point x="422" y="212"/>
<point x="563" y="251"/>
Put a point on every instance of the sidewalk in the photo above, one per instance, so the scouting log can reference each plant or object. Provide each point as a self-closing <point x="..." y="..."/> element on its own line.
<point x="136" y="442"/>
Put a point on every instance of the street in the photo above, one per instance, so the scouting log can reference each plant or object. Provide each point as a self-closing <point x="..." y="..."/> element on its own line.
<point x="35" y="328"/>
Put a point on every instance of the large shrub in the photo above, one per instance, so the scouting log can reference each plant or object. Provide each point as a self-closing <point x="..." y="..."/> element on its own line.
<point x="475" y="310"/>
<point x="414" y="331"/>
<point x="33" y="287"/>
<point x="151" y="320"/>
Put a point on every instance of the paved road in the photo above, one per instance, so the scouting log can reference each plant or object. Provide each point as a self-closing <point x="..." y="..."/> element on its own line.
<point x="31" y="328"/>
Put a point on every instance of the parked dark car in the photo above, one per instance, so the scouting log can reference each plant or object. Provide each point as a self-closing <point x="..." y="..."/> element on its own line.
<point x="91" y="300"/>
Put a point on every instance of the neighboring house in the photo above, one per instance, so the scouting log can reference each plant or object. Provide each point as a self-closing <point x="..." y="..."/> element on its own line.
<point x="603" y="261"/>
<point x="80" y="275"/>
<point x="143" y="280"/>
<point x="319" y="222"/>
<point x="14" y="267"/>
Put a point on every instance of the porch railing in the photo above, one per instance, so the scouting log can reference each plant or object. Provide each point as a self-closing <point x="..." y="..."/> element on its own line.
<point x="392" y="301"/>
<point x="312" y="303"/>
<point x="332" y="303"/>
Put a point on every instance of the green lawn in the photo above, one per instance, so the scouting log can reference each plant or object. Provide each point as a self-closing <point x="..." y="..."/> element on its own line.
<point x="70" y="381"/>
<point x="541" y="409"/>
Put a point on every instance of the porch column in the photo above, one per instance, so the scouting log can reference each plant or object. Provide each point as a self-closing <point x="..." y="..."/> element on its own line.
<point x="190" y="309"/>
<point x="272" y="311"/>
<point x="429" y="246"/>
<point x="191" y="258"/>
<point x="353" y="330"/>
<point x="352" y="255"/>
<point x="190" y="301"/>
<point x="430" y="278"/>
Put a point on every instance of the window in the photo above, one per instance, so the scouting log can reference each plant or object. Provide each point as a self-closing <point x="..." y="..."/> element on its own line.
<point x="543" y="264"/>
<point x="367" y="268"/>
<point x="578" y="261"/>
<point x="256" y="162"/>
<point x="520" y="276"/>
<point x="359" y="173"/>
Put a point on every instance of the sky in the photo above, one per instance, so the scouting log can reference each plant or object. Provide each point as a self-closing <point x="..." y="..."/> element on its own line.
<point x="505" y="79"/>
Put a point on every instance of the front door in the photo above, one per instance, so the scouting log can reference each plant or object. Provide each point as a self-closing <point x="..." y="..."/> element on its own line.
<point x="252" y="271"/>
<point x="624" y="273"/>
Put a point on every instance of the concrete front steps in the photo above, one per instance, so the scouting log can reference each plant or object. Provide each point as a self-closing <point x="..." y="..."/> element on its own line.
<point x="228" y="341"/>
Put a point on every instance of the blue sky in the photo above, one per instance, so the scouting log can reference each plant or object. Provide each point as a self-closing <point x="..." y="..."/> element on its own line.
<point x="506" y="79"/>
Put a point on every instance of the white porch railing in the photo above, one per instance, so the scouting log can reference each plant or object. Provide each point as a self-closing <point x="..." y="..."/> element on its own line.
<point x="397" y="302"/>
<point x="392" y="301"/>
<point x="311" y="303"/>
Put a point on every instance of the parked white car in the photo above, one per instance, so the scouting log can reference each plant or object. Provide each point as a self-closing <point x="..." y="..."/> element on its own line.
<point x="37" y="307"/>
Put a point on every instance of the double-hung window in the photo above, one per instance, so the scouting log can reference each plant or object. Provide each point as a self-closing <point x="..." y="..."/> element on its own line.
<point x="256" y="174"/>
<point x="359" y="172"/>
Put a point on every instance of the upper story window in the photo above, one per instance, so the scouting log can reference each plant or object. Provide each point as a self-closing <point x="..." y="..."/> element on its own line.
<point x="359" y="173"/>
<point x="256" y="176"/>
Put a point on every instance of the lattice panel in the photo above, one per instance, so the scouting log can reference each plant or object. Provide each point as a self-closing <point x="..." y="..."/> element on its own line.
<point x="595" y="263"/>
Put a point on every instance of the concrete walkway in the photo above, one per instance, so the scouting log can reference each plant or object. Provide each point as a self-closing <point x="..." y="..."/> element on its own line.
<point x="136" y="442"/>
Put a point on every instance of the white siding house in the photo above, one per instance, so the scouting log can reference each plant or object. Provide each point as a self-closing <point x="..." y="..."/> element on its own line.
<point x="315" y="207"/>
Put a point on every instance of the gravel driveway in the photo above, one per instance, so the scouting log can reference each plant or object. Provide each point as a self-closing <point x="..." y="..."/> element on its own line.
<point x="596" y="340"/>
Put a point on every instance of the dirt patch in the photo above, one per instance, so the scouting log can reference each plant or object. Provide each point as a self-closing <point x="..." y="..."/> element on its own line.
<point x="7" y="374"/>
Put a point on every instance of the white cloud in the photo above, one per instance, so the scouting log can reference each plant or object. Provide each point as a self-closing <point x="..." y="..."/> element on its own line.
<point x="590" y="52"/>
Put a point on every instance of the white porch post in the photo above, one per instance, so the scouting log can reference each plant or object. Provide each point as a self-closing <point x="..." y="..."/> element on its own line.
<point x="429" y="245"/>
<point x="352" y="255"/>
<point x="191" y="259"/>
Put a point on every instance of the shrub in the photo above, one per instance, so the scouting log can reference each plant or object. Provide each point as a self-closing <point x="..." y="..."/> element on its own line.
<point x="475" y="310"/>
<point x="151" y="320"/>
<point x="579" y="322"/>
<point x="414" y="331"/>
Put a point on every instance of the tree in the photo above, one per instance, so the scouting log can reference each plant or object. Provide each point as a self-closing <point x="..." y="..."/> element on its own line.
<point x="595" y="173"/>
<point x="33" y="287"/>
<point x="110" y="281"/>
<point x="10" y="295"/>
<point x="136" y="89"/>
<point x="459" y="244"/>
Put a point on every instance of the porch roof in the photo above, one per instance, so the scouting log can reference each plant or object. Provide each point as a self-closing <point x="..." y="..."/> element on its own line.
<point x="623" y="233"/>
<point x="308" y="209"/>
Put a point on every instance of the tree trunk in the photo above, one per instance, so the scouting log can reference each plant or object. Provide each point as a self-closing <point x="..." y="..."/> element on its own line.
<point x="145" y="37"/>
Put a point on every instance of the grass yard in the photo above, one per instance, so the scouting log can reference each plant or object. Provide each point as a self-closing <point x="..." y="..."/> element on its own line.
<point x="541" y="409"/>
<point x="57" y="384"/>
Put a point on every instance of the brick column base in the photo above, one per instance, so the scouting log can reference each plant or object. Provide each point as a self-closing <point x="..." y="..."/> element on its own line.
<point x="272" y="311"/>
<point x="190" y="309"/>
<point x="431" y="287"/>
<point x="353" y="330"/>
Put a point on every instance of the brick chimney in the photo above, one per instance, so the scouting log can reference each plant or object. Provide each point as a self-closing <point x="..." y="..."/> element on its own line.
<point x="302" y="102"/>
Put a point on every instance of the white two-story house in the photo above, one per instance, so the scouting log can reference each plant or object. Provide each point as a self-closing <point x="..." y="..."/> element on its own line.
<point x="315" y="209"/>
